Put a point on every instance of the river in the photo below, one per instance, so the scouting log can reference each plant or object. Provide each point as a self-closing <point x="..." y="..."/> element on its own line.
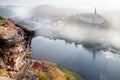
<point x="99" y="65"/>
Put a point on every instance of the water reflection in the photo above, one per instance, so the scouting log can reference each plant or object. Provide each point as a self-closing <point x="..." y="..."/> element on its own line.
<point x="95" y="63"/>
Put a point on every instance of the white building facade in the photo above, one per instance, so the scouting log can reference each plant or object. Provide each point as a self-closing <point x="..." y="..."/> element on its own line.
<point x="91" y="18"/>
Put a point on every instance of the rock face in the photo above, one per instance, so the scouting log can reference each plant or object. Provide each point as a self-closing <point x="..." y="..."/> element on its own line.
<point x="15" y="40"/>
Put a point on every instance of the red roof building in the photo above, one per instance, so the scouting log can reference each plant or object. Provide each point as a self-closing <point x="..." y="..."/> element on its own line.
<point x="36" y="65"/>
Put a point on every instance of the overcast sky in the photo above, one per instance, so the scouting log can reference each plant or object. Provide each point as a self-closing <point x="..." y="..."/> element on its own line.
<point x="102" y="4"/>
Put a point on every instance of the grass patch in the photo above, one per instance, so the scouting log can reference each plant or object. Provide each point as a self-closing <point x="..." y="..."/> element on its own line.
<point x="42" y="75"/>
<point x="70" y="75"/>
<point x="3" y="72"/>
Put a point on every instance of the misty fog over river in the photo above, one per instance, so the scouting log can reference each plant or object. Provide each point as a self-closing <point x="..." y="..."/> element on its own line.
<point x="63" y="46"/>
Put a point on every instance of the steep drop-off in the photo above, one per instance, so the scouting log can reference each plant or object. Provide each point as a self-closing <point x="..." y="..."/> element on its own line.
<point x="15" y="40"/>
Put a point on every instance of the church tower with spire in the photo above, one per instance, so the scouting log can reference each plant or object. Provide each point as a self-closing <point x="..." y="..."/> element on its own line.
<point x="95" y="12"/>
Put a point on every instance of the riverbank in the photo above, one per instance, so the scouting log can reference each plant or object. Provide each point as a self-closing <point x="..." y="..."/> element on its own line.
<point x="55" y="72"/>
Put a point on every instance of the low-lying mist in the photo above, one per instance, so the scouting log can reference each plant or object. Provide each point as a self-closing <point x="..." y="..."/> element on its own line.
<point x="110" y="34"/>
<point x="75" y="32"/>
<point x="92" y="35"/>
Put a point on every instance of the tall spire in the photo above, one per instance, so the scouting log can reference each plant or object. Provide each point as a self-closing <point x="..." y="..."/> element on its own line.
<point x="95" y="11"/>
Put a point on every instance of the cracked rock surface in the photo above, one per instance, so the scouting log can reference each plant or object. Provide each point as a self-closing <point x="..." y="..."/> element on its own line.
<point x="15" y="53"/>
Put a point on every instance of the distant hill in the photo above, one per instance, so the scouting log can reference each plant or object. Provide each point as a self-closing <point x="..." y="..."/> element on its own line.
<point x="51" y="11"/>
<point x="14" y="11"/>
<point x="6" y="12"/>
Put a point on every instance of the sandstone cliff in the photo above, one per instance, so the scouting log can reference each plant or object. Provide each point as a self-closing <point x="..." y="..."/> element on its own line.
<point x="15" y="40"/>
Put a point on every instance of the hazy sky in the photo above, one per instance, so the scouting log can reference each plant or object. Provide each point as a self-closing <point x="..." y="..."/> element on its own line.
<point x="102" y="4"/>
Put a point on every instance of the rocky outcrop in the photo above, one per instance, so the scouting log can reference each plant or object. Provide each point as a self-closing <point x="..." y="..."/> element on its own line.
<point x="15" y="59"/>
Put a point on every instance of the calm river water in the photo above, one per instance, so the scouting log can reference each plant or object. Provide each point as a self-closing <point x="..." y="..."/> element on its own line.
<point x="101" y="65"/>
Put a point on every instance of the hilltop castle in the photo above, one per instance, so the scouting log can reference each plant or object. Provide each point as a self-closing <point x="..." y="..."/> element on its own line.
<point x="92" y="18"/>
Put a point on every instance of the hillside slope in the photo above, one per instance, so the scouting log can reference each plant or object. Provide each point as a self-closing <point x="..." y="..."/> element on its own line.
<point x="55" y="72"/>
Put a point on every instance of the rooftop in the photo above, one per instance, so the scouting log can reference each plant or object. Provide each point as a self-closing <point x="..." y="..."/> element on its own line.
<point x="91" y="15"/>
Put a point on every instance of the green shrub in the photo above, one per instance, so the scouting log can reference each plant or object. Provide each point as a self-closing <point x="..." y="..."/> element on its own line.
<point x="1" y="22"/>
<point x="1" y="17"/>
